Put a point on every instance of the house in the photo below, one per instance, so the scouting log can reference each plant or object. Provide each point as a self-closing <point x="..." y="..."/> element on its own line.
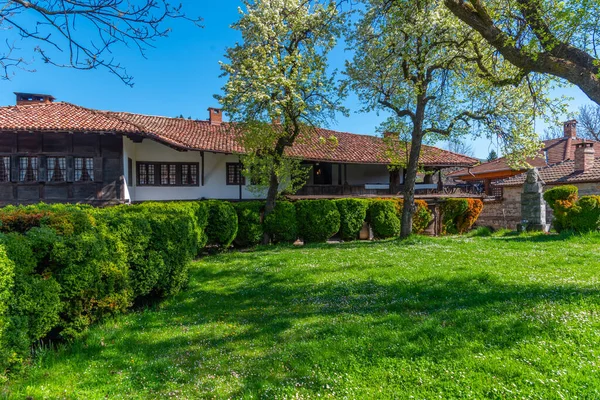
<point x="582" y="171"/>
<point x="60" y="152"/>
<point x="552" y="152"/>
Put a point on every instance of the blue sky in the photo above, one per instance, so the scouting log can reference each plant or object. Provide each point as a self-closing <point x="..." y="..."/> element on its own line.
<point x="181" y="75"/>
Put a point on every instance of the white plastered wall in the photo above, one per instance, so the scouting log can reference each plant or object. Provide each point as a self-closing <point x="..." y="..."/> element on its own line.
<point x="215" y="183"/>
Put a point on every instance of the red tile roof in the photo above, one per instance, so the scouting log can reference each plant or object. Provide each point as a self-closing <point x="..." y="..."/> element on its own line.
<point x="556" y="150"/>
<point x="559" y="173"/>
<point x="202" y="136"/>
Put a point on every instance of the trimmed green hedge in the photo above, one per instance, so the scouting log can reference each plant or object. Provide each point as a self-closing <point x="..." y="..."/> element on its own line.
<point x="281" y="224"/>
<point x="222" y="223"/>
<point x="384" y="219"/>
<point x="561" y="200"/>
<point x="353" y="213"/>
<point x="318" y="220"/>
<point x="250" y="228"/>
<point x="70" y="266"/>
<point x="571" y="213"/>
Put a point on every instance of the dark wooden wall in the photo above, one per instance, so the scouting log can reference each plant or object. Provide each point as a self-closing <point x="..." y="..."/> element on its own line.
<point x="106" y="149"/>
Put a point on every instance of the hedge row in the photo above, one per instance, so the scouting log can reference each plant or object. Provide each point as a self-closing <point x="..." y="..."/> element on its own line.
<point x="571" y="212"/>
<point x="65" y="267"/>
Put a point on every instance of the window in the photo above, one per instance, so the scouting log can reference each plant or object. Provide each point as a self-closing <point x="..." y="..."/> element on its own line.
<point x="4" y="169"/>
<point x="146" y="174"/>
<point x="84" y="169"/>
<point x="28" y="169"/>
<point x="189" y="174"/>
<point x="168" y="174"/>
<point x="56" y="169"/>
<point x="234" y="174"/>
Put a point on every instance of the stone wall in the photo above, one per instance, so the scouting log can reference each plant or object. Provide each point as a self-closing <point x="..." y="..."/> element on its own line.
<point x="506" y="213"/>
<point x="502" y="214"/>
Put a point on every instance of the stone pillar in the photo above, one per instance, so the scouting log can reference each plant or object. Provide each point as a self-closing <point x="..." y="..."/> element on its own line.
<point x="533" y="206"/>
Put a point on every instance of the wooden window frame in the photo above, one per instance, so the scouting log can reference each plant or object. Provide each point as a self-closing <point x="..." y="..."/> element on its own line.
<point x="84" y="167"/>
<point x="238" y="165"/>
<point x="157" y="173"/>
<point x="35" y="169"/>
<point x="7" y="172"/>
<point x="63" y="170"/>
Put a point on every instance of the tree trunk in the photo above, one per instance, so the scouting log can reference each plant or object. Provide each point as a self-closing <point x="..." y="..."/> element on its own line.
<point x="409" y="185"/>
<point x="273" y="183"/>
<point x="270" y="203"/>
<point x="413" y="164"/>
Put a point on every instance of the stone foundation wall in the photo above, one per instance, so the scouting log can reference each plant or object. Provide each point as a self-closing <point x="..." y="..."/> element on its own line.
<point x="502" y="214"/>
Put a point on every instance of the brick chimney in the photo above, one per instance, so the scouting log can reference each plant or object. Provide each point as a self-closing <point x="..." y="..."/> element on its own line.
<point x="32" y="98"/>
<point x="584" y="156"/>
<point x="215" y="116"/>
<point x="570" y="129"/>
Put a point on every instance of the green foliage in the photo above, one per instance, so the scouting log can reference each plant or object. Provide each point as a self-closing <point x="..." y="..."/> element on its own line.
<point x="6" y="292"/>
<point x="585" y="215"/>
<point x="561" y="200"/>
<point x="284" y="78"/>
<point x="451" y="210"/>
<point x="281" y="224"/>
<point x="318" y="220"/>
<point x="75" y="265"/>
<point x="34" y="303"/>
<point x="384" y="219"/>
<point x="222" y="223"/>
<point x="250" y="230"/>
<point x="459" y="215"/>
<point x="353" y="213"/>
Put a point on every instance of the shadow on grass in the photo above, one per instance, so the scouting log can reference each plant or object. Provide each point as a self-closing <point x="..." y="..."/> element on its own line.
<point x="271" y="329"/>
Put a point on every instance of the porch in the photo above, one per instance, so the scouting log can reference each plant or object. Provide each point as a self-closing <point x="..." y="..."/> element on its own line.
<point x="356" y="180"/>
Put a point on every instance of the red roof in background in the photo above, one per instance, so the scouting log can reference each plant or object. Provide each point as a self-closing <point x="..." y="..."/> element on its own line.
<point x="559" y="173"/>
<point x="202" y="136"/>
<point x="556" y="150"/>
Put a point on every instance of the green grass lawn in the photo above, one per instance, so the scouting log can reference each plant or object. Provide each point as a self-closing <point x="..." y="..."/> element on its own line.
<point x="495" y="317"/>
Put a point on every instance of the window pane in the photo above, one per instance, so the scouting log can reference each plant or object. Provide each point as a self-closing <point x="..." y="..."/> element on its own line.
<point x="28" y="169"/>
<point x="84" y="169"/>
<point x="142" y="174"/>
<point x="151" y="174"/>
<point x="5" y="169"/>
<point x="56" y="169"/>
<point x="78" y="168"/>
<point x="164" y="174"/>
<point x="172" y="174"/>
<point x="89" y="166"/>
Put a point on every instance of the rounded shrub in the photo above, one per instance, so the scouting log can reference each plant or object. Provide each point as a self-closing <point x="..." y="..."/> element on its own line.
<point x="222" y="223"/>
<point x="353" y="213"/>
<point x="250" y="229"/>
<point x="585" y="215"/>
<point x="318" y="220"/>
<point x="465" y="221"/>
<point x="451" y="209"/>
<point x="281" y="224"/>
<point x="384" y="219"/>
<point x="561" y="200"/>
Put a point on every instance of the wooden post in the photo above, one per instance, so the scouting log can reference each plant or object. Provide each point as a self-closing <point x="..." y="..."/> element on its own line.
<point x="202" y="154"/>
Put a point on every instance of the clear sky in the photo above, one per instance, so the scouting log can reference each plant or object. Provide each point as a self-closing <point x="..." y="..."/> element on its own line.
<point x="181" y="75"/>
